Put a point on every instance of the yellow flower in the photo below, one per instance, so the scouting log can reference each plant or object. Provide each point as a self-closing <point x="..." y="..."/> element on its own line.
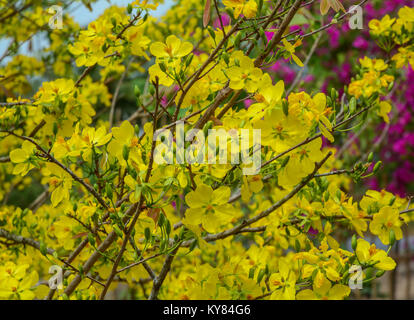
<point x="60" y="183"/>
<point x="55" y="91"/>
<point x="385" y="109"/>
<point x="283" y="283"/>
<point x="301" y="163"/>
<point x="143" y="4"/>
<point x="406" y="13"/>
<point x="325" y="292"/>
<point x="163" y="78"/>
<point x="23" y="158"/>
<point x="93" y="138"/>
<point x="248" y="9"/>
<point x="251" y="184"/>
<point x="208" y="207"/>
<point x="10" y="269"/>
<point x="356" y="217"/>
<point x="279" y="131"/>
<point x="124" y="136"/>
<point x="318" y="111"/>
<point x="173" y="48"/>
<point x="290" y="50"/>
<point x="382" y="27"/>
<point x="372" y="79"/>
<point x="374" y="200"/>
<point x="403" y="57"/>
<point x="388" y="218"/>
<point x="139" y="42"/>
<point x="369" y="254"/>
<point x="84" y="55"/>
<point x="373" y="64"/>
<point x="17" y="286"/>
<point x="62" y="229"/>
<point x="244" y="74"/>
<point x="266" y="96"/>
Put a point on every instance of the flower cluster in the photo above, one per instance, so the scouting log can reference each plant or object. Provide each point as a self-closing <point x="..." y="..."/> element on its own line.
<point x="83" y="187"/>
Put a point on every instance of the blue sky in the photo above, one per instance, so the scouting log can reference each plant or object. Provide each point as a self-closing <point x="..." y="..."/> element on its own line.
<point x="83" y="16"/>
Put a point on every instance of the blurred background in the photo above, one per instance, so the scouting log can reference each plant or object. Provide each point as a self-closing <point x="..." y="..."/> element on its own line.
<point x="334" y="62"/>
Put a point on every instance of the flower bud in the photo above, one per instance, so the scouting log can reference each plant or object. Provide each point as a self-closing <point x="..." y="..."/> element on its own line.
<point x="43" y="248"/>
<point x="285" y="106"/>
<point x="147" y="233"/>
<point x="392" y="237"/>
<point x="374" y="97"/>
<point x="285" y="162"/>
<point x="113" y="21"/>
<point x="297" y="245"/>
<point x="125" y="153"/>
<point x="260" y="6"/>
<point x="163" y="67"/>
<point x="260" y="275"/>
<point x="237" y="40"/>
<point x="137" y="91"/>
<point x="334" y="94"/>
<point x="352" y="105"/>
<point x="193" y="245"/>
<point x="168" y="227"/>
<point x="354" y="242"/>
<point x="377" y="167"/>
<point x="118" y="231"/>
<point x="226" y="57"/>
<point x="211" y="32"/>
<point x="55" y="128"/>
<point x="207" y="127"/>
<point x="189" y="59"/>
<point x="91" y="239"/>
<point x="251" y="272"/>
<point x="161" y="220"/>
<point x="263" y="35"/>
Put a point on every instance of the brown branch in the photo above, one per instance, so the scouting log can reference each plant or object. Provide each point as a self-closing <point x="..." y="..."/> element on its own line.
<point x="70" y="172"/>
<point x="22" y="240"/>
<point x="195" y="76"/>
<point x="139" y="262"/>
<point x="157" y="282"/>
<point x="300" y="74"/>
<point x="115" y="97"/>
<point x="141" y="201"/>
<point x="277" y="37"/>
<point x="325" y="26"/>
<point x="265" y="213"/>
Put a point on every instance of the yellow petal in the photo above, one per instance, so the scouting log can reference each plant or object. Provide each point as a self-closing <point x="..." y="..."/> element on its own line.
<point x="18" y="156"/>
<point x="326" y="133"/>
<point x="297" y="60"/>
